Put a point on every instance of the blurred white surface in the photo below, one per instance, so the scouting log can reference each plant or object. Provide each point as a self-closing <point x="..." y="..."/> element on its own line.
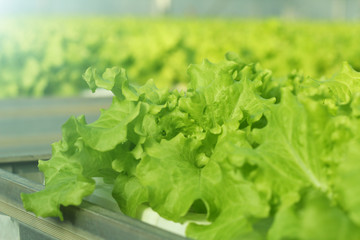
<point x="9" y="229"/>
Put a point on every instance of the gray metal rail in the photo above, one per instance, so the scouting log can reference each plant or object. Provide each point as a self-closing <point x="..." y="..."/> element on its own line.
<point x="87" y="221"/>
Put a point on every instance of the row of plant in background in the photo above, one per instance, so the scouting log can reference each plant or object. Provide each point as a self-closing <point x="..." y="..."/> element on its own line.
<point x="258" y="157"/>
<point x="46" y="56"/>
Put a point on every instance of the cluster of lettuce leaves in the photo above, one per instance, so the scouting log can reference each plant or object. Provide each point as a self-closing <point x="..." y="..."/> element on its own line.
<point x="260" y="158"/>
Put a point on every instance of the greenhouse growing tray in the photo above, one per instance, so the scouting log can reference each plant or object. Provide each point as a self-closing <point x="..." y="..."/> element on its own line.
<point x="88" y="221"/>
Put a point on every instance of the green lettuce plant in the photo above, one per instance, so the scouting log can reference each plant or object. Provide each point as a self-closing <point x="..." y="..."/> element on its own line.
<point x="257" y="157"/>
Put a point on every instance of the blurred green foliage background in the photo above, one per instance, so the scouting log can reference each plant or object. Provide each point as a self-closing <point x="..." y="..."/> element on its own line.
<point x="41" y="56"/>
